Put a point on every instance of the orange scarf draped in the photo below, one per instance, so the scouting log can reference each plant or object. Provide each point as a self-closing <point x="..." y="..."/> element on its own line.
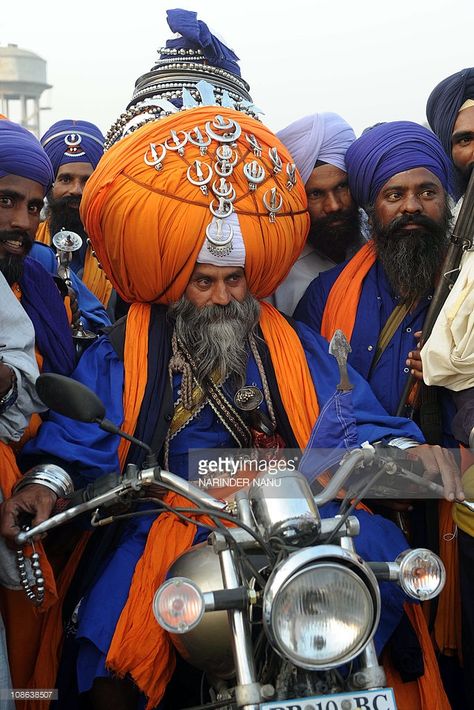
<point x="139" y="646"/>
<point x="343" y="300"/>
<point x="93" y="277"/>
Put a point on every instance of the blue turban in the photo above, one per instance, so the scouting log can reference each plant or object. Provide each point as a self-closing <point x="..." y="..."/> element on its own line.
<point x="195" y="34"/>
<point x="391" y="148"/>
<point x="445" y="101"/>
<point x="21" y="154"/>
<point x="71" y="141"/>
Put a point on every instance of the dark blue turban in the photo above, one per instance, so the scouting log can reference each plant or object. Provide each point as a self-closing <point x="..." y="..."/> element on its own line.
<point x="391" y="148"/>
<point x="195" y="34"/>
<point x="71" y="141"/>
<point x="21" y="154"/>
<point x="445" y="101"/>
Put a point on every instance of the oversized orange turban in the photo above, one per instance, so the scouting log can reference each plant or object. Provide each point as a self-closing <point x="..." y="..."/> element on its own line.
<point x="147" y="224"/>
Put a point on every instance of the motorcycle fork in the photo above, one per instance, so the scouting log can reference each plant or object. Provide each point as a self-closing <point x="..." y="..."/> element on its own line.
<point x="247" y="691"/>
<point x="370" y="674"/>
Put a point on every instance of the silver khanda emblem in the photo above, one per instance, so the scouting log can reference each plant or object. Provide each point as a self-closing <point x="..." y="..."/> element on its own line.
<point x="291" y="172"/>
<point x="227" y="159"/>
<point x="255" y="174"/>
<point x="219" y="238"/>
<point x="276" y="160"/>
<point x="177" y="143"/>
<point x="155" y="155"/>
<point x="224" y="189"/>
<point x="273" y="202"/>
<point x="196" y="138"/>
<point x="73" y="142"/>
<point x="254" y="144"/>
<point x="222" y="130"/>
<point x="199" y="174"/>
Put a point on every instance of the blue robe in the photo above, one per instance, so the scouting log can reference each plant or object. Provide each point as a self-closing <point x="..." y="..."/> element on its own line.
<point x="91" y="452"/>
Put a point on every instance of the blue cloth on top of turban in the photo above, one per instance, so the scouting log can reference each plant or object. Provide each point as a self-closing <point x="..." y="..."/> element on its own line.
<point x="195" y="34"/>
<point x="321" y="136"/>
<point x="445" y="101"/>
<point x="70" y="141"/>
<point x="21" y="154"/>
<point x="391" y="148"/>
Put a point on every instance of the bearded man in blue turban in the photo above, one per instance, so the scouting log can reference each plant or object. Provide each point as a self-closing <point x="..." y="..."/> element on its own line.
<point x="74" y="148"/>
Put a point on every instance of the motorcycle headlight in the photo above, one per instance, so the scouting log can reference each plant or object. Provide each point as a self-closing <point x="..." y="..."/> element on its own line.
<point x="422" y="574"/>
<point x="321" y="607"/>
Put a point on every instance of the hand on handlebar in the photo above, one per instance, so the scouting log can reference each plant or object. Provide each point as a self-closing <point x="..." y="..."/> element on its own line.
<point x="439" y="461"/>
<point x="35" y="500"/>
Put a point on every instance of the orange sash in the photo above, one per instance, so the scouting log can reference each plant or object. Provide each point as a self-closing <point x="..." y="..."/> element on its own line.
<point x="343" y="299"/>
<point x="139" y="646"/>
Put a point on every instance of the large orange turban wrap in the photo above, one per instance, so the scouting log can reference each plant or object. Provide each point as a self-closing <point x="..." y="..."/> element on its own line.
<point x="148" y="225"/>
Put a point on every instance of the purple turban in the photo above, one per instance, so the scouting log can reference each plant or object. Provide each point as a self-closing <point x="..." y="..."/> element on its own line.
<point x="21" y="154"/>
<point x="71" y="141"/>
<point x="321" y="136"/>
<point x="390" y="148"/>
<point x="445" y="101"/>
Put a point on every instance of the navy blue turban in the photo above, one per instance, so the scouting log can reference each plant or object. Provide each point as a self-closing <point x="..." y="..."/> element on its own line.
<point x="72" y="141"/>
<point x="445" y="101"/>
<point x="195" y="34"/>
<point x="21" y="154"/>
<point x="391" y="148"/>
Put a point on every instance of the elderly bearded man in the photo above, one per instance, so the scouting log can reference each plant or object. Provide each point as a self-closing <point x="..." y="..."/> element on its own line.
<point x="318" y="144"/>
<point x="196" y="218"/>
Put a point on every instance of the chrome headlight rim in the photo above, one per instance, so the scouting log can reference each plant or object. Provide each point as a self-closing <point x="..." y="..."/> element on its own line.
<point x="310" y="559"/>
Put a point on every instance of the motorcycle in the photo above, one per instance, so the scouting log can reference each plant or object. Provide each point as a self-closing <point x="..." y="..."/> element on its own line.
<point x="278" y="610"/>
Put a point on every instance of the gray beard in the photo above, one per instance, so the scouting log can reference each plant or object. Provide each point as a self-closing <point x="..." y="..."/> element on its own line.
<point x="216" y="336"/>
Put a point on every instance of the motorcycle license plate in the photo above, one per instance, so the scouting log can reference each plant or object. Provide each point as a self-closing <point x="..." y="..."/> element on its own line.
<point x="381" y="699"/>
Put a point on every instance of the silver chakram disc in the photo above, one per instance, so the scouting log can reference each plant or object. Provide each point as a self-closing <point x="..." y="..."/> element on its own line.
<point x="67" y="241"/>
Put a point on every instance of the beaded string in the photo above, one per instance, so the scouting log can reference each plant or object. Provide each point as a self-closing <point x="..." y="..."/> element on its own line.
<point x="38" y="597"/>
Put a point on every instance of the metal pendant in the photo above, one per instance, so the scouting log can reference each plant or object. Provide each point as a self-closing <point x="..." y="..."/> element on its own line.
<point x="177" y="143"/>
<point x="196" y="138"/>
<point x="254" y="144"/>
<point x="219" y="238"/>
<point x="200" y="180"/>
<point x="255" y="174"/>
<point x="276" y="160"/>
<point x="273" y="202"/>
<point x="291" y="172"/>
<point x="224" y="208"/>
<point x="224" y="189"/>
<point x="231" y="130"/>
<point x="156" y="159"/>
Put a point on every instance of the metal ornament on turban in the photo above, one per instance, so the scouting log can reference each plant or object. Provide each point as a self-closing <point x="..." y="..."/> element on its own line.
<point x="71" y="141"/>
<point x="203" y="179"/>
<point x="21" y="154"/>
<point x="391" y="148"/>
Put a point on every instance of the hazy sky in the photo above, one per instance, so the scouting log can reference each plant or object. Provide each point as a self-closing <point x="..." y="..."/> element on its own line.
<point x="369" y="60"/>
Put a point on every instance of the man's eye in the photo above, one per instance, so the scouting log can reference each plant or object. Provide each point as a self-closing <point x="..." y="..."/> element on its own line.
<point x="6" y="201"/>
<point x="392" y="196"/>
<point x="64" y="178"/>
<point x="314" y="195"/>
<point x="34" y="209"/>
<point x="343" y="186"/>
<point x="428" y="193"/>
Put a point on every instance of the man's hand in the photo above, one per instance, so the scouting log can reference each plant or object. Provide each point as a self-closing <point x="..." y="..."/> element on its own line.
<point x="35" y="500"/>
<point x="438" y="461"/>
<point x="414" y="360"/>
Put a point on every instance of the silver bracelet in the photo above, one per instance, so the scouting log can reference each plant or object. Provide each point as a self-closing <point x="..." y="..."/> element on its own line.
<point x="49" y="475"/>
<point x="403" y="442"/>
